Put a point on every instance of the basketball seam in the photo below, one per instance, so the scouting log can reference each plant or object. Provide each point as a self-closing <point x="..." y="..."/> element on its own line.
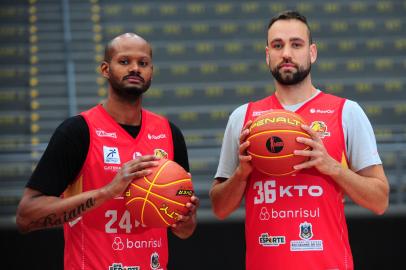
<point x="150" y="187"/>
<point x="278" y="130"/>
<point x="152" y="204"/>
<point x="168" y="184"/>
<point x="157" y="195"/>
<point x="277" y="174"/>
<point x="284" y="156"/>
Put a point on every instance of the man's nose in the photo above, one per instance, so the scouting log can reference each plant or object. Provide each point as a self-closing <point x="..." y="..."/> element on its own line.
<point x="134" y="68"/>
<point x="287" y="52"/>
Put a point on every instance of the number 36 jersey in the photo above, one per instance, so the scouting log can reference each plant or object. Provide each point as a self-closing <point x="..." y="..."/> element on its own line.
<point x="297" y="221"/>
<point x="108" y="237"/>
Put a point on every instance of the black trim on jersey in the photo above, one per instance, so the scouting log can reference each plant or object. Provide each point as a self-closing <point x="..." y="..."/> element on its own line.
<point x="67" y="150"/>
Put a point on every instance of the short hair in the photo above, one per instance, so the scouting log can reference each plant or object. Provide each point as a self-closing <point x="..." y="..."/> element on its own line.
<point x="291" y="15"/>
<point x="110" y="45"/>
<point x="107" y="51"/>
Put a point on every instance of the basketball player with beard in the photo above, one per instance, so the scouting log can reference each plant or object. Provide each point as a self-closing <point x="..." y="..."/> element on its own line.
<point x="91" y="159"/>
<point x="298" y="221"/>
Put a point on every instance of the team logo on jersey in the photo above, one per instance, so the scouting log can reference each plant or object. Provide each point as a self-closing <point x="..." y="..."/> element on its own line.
<point x="267" y="240"/>
<point x="111" y="155"/>
<point x="102" y="133"/>
<point x="120" y="266"/>
<point x="321" y="128"/>
<point x="306" y="231"/>
<point x="160" y="153"/>
<point x="306" y="234"/>
<point x="155" y="260"/>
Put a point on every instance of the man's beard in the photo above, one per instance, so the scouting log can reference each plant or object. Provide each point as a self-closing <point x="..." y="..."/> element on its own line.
<point x="291" y="78"/>
<point x="129" y="93"/>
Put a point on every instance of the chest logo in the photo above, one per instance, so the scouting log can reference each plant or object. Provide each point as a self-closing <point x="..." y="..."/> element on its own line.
<point x="155" y="261"/>
<point x="306" y="231"/>
<point x="306" y="243"/>
<point x="160" y="153"/>
<point x="321" y="128"/>
<point x="137" y="154"/>
<point x="313" y="110"/>
<point x="111" y="155"/>
<point x="156" y="137"/>
<point x="102" y="133"/>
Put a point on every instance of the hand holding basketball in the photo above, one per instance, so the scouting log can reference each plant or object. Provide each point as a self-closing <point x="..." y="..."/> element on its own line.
<point x="318" y="156"/>
<point x="135" y="168"/>
<point x="159" y="199"/>
<point x="272" y="142"/>
<point x="186" y="224"/>
<point x="244" y="166"/>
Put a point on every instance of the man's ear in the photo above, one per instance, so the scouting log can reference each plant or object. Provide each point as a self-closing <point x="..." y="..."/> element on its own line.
<point x="267" y="55"/>
<point x="313" y="53"/>
<point x="104" y="69"/>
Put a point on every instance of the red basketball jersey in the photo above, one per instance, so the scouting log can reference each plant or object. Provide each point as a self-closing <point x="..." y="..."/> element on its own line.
<point x="108" y="237"/>
<point x="297" y="221"/>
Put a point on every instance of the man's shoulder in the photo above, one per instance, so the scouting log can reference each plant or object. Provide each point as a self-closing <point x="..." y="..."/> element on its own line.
<point x="72" y="124"/>
<point x="74" y="121"/>
<point x="239" y="111"/>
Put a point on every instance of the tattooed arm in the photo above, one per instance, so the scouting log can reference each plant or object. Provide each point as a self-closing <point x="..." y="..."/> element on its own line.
<point x="38" y="211"/>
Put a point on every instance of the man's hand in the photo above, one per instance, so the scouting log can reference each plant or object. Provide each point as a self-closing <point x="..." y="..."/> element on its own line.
<point x="133" y="169"/>
<point x="319" y="157"/>
<point x="244" y="167"/>
<point x="186" y="224"/>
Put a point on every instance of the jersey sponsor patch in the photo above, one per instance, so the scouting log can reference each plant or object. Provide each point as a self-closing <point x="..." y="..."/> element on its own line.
<point x="313" y="110"/>
<point x="156" y="137"/>
<point x="126" y="243"/>
<point x="102" y="133"/>
<point x="306" y="244"/>
<point x="267" y="240"/>
<point x="258" y="113"/>
<point x="273" y="213"/>
<point x="111" y="155"/>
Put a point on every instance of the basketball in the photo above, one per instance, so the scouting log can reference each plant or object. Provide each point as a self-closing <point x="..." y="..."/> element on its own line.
<point x="156" y="200"/>
<point x="272" y="142"/>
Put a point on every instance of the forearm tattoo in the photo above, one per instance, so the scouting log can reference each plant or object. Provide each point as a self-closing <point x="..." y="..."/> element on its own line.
<point x="53" y="219"/>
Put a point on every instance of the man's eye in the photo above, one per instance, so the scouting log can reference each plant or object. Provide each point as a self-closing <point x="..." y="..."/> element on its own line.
<point x="124" y="62"/>
<point x="277" y="46"/>
<point x="143" y="63"/>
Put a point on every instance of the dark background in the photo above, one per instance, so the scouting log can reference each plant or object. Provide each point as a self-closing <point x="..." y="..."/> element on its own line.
<point x="377" y="243"/>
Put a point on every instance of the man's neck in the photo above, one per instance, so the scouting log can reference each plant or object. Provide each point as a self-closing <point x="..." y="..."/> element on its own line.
<point x="126" y="113"/>
<point x="294" y="94"/>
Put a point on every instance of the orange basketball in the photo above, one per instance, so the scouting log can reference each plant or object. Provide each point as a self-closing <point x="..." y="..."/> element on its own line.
<point x="156" y="200"/>
<point x="272" y="142"/>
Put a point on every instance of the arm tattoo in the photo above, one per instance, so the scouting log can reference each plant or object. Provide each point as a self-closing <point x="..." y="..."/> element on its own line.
<point x="53" y="219"/>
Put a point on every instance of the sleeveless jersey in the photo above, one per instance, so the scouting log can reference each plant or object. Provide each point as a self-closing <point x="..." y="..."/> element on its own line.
<point x="108" y="237"/>
<point x="297" y="221"/>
